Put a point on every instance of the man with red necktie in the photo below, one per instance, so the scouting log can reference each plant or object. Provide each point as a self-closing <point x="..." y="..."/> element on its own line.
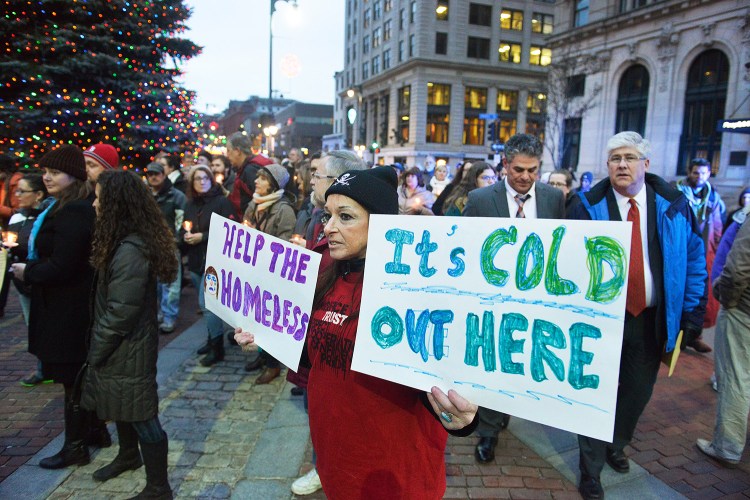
<point x="665" y="248"/>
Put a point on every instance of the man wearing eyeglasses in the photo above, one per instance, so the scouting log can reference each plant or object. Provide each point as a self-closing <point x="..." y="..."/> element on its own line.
<point x="517" y="196"/>
<point x="666" y="288"/>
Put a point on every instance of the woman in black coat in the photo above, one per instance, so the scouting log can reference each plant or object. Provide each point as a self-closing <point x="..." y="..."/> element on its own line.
<point x="61" y="278"/>
<point x="133" y="248"/>
<point x="205" y="197"/>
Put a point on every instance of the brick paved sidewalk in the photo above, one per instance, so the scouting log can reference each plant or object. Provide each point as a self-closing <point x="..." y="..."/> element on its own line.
<point x="30" y="417"/>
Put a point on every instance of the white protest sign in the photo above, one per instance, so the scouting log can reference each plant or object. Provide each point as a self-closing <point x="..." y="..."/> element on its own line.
<point x="519" y="315"/>
<point x="261" y="283"/>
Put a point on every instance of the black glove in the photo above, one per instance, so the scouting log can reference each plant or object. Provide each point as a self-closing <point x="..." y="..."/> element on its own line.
<point x="690" y="334"/>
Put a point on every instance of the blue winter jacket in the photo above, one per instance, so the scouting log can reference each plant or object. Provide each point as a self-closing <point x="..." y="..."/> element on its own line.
<point x="684" y="258"/>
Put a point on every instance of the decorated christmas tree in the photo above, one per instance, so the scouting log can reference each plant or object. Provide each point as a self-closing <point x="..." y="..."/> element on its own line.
<point x="87" y="71"/>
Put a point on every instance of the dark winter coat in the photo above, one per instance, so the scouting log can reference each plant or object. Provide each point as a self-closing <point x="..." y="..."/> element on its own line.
<point x="277" y="220"/>
<point x="244" y="184"/>
<point x="198" y="211"/>
<point x="172" y="203"/>
<point x="120" y="382"/>
<point x="61" y="280"/>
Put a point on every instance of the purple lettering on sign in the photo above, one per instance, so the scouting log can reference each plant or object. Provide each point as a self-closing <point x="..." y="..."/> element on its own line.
<point x="277" y="249"/>
<point x="259" y="241"/>
<point x="266" y="310"/>
<point x="301" y="268"/>
<point x="228" y="239"/>
<point x="238" y="245"/>
<point x="226" y="287"/>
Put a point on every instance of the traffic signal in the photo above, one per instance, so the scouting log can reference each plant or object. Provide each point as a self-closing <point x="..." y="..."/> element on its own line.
<point x="492" y="131"/>
<point x="374" y="147"/>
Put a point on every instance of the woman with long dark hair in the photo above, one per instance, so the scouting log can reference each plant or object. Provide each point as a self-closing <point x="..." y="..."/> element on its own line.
<point x="61" y="278"/>
<point x="480" y="174"/>
<point x="205" y="197"/>
<point x="133" y="248"/>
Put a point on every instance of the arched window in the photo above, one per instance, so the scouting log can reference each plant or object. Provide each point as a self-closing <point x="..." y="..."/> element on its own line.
<point x="705" y="100"/>
<point x="632" y="100"/>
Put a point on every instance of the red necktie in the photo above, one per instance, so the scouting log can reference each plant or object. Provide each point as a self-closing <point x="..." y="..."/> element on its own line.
<point x="636" y="300"/>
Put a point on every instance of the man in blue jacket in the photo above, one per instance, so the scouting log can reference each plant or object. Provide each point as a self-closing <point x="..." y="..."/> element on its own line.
<point x="667" y="288"/>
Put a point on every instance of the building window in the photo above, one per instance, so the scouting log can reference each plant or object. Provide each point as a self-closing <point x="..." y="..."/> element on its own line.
<point x="511" y="19"/>
<point x="475" y="98"/>
<point x="438" y="112"/>
<point x="376" y="38"/>
<point x="509" y="52"/>
<point x="632" y="100"/>
<point x="404" y="113"/>
<point x="365" y="70"/>
<point x="480" y="14"/>
<point x="412" y="12"/>
<point x="387" y="30"/>
<point x="386" y="59"/>
<point x="478" y="48"/>
<point x="401" y="19"/>
<point x="507" y="100"/>
<point x="388" y="5"/>
<point x="475" y="103"/>
<point x="705" y="100"/>
<point x="576" y="86"/>
<point x="377" y="10"/>
<point x="400" y="50"/>
<point x="375" y="65"/>
<point x="571" y="143"/>
<point x="539" y="56"/>
<point x="536" y="102"/>
<point x="542" y="23"/>
<point x="412" y="45"/>
<point x="366" y="19"/>
<point x="354" y="27"/>
<point x="441" y="11"/>
<point x="441" y="43"/>
<point x="581" y="16"/>
<point x="438" y="94"/>
<point x="366" y="44"/>
<point x="535" y="109"/>
<point x="354" y="51"/>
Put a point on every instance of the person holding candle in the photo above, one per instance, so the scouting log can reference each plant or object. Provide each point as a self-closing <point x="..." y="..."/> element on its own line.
<point x="374" y="438"/>
<point x="223" y="172"/>
<point x="9" y="179"/>
<point x="60" y="277"/>
<point x="32" y="200"/>
<point x="205" y="197"/>
<point x="133" y="247"/>
<point x="271" y="212"/>
<point x="413" y="197"/>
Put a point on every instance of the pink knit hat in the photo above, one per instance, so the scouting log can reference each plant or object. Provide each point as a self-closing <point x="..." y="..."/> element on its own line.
<point x="105" y="154"/>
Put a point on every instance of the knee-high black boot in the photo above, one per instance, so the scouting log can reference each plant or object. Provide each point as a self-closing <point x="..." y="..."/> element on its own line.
<point x="74" y="450"/>
<point x="128" y="457"/>
<point x="157" y="482"/>
<point x="216" y="354"/>
<point x="97" y="434"/>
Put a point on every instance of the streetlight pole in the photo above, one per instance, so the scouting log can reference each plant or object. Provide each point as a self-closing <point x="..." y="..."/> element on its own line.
<point x="270" y="51"/>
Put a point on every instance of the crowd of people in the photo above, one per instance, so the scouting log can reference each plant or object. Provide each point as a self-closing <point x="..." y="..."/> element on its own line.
<point x="99" y="254"/>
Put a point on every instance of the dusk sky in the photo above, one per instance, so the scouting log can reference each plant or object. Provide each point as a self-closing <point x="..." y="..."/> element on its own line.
<point x="308" y="49"/>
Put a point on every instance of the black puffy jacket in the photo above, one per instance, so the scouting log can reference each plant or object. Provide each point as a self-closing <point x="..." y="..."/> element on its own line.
<point x="120" y="383"/>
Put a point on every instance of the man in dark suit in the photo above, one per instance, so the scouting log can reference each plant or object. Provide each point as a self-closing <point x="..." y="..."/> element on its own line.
<point x="517" y="196"/>
<point x="655" y="313"/>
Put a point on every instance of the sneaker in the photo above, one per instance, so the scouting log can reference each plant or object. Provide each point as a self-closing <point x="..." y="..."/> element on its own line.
<point x="707" y="448"/>
<point x="166" y="327"/>
<point x="34" y="378"/>
<point x="307" y="484"/>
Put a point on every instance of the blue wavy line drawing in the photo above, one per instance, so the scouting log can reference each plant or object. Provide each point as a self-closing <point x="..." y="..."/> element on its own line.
<point x="499" y="298"/>
<point x="536" y="395"/>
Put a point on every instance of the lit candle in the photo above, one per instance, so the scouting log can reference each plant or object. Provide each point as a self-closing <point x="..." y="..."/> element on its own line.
<point x="10" y="238"/>
<point x="297" y="239"/>
<point x="187" y="225"/>
<point x="220" y="178"/>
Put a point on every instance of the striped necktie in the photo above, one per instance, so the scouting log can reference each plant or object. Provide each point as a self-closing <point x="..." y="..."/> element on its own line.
<point x="521" y="199"/>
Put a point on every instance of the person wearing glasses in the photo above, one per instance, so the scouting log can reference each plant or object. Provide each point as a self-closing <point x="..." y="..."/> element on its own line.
<point x="561" y="179"/>
<point x="667" y="287"/>
<point x="33" y="199"/>
<point x="480" y="174"/>
<point x="518" y="196"/>
<point x="205" y="197"/>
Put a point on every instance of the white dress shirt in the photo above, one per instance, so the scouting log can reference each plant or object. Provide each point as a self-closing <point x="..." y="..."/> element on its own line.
<point x="529" y="208"/>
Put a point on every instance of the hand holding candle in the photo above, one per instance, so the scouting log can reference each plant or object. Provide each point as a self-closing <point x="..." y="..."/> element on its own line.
<point x="220" y="178"/>
<point x="187" y="225"/>
<point x="10" y="239"/>
<point x="297" y="239"/>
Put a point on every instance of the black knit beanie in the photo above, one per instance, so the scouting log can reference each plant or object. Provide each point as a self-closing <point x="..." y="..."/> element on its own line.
<point x="374" y="189"/>
<point x="68" y="159"/>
